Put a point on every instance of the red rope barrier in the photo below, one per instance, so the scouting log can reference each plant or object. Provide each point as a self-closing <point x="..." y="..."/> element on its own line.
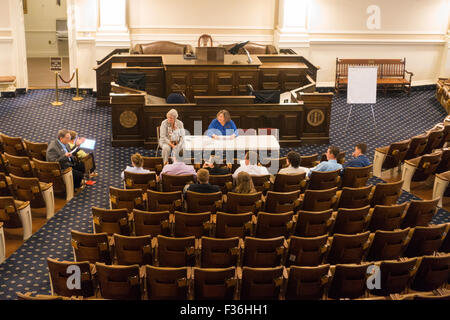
<point x="73" y="75"/>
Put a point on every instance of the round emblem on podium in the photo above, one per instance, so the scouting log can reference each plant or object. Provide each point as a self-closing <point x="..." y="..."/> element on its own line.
<point x="128" y="119"/>
<point x="315" y="117"/>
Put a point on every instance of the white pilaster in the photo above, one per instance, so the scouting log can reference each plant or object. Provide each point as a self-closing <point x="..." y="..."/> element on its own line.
<point x="444" y="71"/>
<point x="113" y="29"/>
<point x="19" y="52"/>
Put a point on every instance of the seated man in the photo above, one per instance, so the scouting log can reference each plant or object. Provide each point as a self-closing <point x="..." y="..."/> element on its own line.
<point x="203" y="185"/>
<point x="293" y="161"/>
<point x="214" y="168"/>
<point x="58" y="151"/>
<point x="360" y="157"/>
<point x="331" y="164"/>
<point x="251" y="166"/>
<point x="137" y="162"/>
<point x="178" y="167"/>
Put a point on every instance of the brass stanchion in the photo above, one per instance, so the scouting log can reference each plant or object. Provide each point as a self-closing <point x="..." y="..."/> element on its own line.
<point x="56" y="102"/>
<point x="77" y="97"/>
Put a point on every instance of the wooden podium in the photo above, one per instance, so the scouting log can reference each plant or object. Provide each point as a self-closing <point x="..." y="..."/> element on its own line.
<point x="215" y="54"/>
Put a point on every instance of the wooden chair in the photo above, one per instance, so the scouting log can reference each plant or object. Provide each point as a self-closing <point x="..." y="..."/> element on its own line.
<point x="13" y="145"/>
<point x="4" y="165"/>
<point x="352" y="198"/>
<point x="445" y="247"/>
<point x="356" y="177"/>
<point x="165" y="283"/>
<point x="242" y="203"/>
<point x="219" y="253"/>
<point x="434" y="140"/>
<point x="91" y="247"/>
<point x="133" y="250"/>
<point x="16" y="214"/>
<point x="420" y="213"/>
<point x="271" y="225"/>
<point x="225" y="182"/>
<point x="419" y="169"/>
<point x="175" y="183"/>
<point x="176" y="252"/>
<point x="234" y="225"/>
<point x="307" y="283"/>
<point x="119" y="282"/>
<point x="20" y="166"/>
<point x="263" y="253"/>
<point x="386" y="194"/>
<point x="38" y="297"/>
<point x="396" y="276"/>
<point x="348" y="281"/>
<point x="324" y="180"/>
<point x="261" y="183"/>
<point x="5" y="188"/>
<point x="313" y="223"/>
<point x="446" y="137"/>
<point x="289" y="182"/>
<point x="151" y="223"/>
<point x="348" y="248"/>
<point x="425" y="240"/>
<point x="203" y="202"/>
<point x="39" y="194"/>
<point x="275" y="163"/>
<point x="111" y="221"/>
<point x="192" y="224"/>
<point x="319" y="200"/>
<point x="386" y="218"/>
<point x="58" y="272"/>
<point x="126" y="198"/>
<point x="444" y="165"/>
<point x="36" y="150"/>
<point x="309" y="161"/>
<point x="279" y="202"/>
<point x="388" y="245"/>
<point x="432" y="273"/>
<point x="389" y="157"/>
<point x="261" y="283"/>
<point x="351" y="221"/>
<point x="141" y="181"/>
<point x="416" y="146"/>
<point x="215" y="284"/>
<point x="164" y="201"/>
<point x="306" y="251"/>
<point x="62" y="180"/>
<point x="153" y="164"/>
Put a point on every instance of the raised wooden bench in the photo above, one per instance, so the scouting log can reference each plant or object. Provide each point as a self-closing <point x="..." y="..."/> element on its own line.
<point x="391" y="73"/>
<point x="443" y="93"/>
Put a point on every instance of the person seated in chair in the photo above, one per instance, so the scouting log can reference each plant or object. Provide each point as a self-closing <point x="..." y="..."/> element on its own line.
<point x="222" y="126"/>
<point x="203" y="185"/>
<point x="137" y="162"/>
<point x="58" y="151"/>
<point x="360" y="159"/>
<point x="171" y="134"/>
<point x="80" y="154"/>
<point x="178" y="167"/>
<point x="244" y="184"/>
<point x="251" y="166"/>
<point x="293" y="161"/>
<point x="331" y="164"/>
<point x="214" y="168"/>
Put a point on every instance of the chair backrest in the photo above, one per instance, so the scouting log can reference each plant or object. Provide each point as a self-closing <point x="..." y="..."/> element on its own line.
<point x="388" y="245"/>
<point x="349" y="281"/>
<point x="416" y="146"/>
<point x="279" y="202"/>
<point x="50" y="172"/>
<point x="172" y="183"/>
<point x="5" y="189"/>
<point x="387" y="218"/>
<point x="351" y="221"/>
<point x="9" y="214"/>
<point x="425" y="240"/>
<point x="274" y="164"/>
<point x="192" y="224"/>
<point x="111" y="221"/>
<point x="225" y="182"/>
<point x="434" y="140"/>
<point x="427" y="166"/>
<point x="13" y="145"/>
<point x="176" y="252"/>
<point x="356" y="177"/>
<point x="151" y="223"/>
<point x="319" y="200"/>
<point x="119" y="282"/>
<point x="395" y="276"/>
<point x="263" y="253"/>
<point x="261" y="183"/>
<point x="167" y="201"/>
<point x="387" y="193"/>
<point x="323" y="180"/>
<point x="309" y="161"/>
<point x="306" y="251"/>
<point x="203" y="202"/>
<point x="92" y="247"/>
<point x="271" y="225"/>
<point x="215" y="284"/>
<point x="444" y="165"/>
<point x="165" y="283"/>
<point x="60" y="271"/>
<point x="420" y="213"/>
<point x="269" y="132"/>
<point x="36" y="150"/>
<point x="141" y="181"/>
<point x="153" y="163"/>
<point x="313" y="223"/>
<point x="133" y="250"/>
<point x="163" y="47"/>
<point x="127" y="198"/>
<point x="355" y="197"/>
<point x="3" y="164"/>
<point x="261" y="283"/>
<point x="307" y="283"/>
<point x="395" y="154"/>
<point x="433" y="273"/>
<point x="219" y="253"/>
<point x="445" y="247"/>
<point x="446" y="136"/>
<point x="27" y="189"/>
<point x="348" y="248"/>
<point x="289" y="182"/>
<point x="20" y="165"/>
<point x="241" y="203"/>
<point x="233" y="224"/>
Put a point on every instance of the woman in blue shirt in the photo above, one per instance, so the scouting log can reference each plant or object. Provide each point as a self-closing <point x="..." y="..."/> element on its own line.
<point x="222" y="126"/>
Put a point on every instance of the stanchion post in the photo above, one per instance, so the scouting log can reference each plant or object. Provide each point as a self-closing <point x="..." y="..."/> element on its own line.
<point x="56" y="102"/>
<point x="77" y="97"/>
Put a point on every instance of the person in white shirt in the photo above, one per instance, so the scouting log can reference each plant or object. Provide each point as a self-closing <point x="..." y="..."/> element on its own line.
<point x="137" y="162"/>
<point x="251" y="166"/>
<point x="293" y="161"/>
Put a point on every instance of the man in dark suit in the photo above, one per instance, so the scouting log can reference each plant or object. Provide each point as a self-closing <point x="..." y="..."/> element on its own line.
<point x="203" y="186"/>
<point x="58" y="151"/>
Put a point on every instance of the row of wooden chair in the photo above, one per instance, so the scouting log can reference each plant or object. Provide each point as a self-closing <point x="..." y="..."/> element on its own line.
<point x="17" y="146"/>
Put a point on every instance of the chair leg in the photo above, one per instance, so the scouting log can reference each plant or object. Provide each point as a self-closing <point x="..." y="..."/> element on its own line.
<point x="26" y="220"/>
<point x="378" y="163"/>
<point x="407" y="174"/>
<point x="49" y="199"/>
<point x="439" y="188"/>
<point x="68" y="182"/>
<point x="2" y="245"/>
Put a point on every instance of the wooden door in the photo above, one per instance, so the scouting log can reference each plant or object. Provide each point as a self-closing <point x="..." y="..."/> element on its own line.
<point x="223" y="83"/>
<point x="242" y="78"/>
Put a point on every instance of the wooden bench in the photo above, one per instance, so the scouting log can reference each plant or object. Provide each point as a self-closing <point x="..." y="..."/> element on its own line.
<point x="443" y="93"/>
<point x="391" y="73"/>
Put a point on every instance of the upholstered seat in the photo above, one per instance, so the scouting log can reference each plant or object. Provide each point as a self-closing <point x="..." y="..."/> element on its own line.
<point x="162" y="47"/>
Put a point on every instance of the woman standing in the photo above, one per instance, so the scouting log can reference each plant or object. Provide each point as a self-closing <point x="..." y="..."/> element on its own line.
<point x="171" y="135"/>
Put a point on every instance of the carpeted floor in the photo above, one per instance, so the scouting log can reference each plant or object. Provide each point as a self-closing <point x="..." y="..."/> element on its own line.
<point x="31" y="116"/>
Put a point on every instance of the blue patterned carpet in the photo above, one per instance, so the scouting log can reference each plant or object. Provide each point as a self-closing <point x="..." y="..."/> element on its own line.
<point x="31" y="116"/>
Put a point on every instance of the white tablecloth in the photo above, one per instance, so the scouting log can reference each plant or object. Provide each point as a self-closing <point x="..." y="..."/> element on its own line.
<point x="256" y="143"/>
